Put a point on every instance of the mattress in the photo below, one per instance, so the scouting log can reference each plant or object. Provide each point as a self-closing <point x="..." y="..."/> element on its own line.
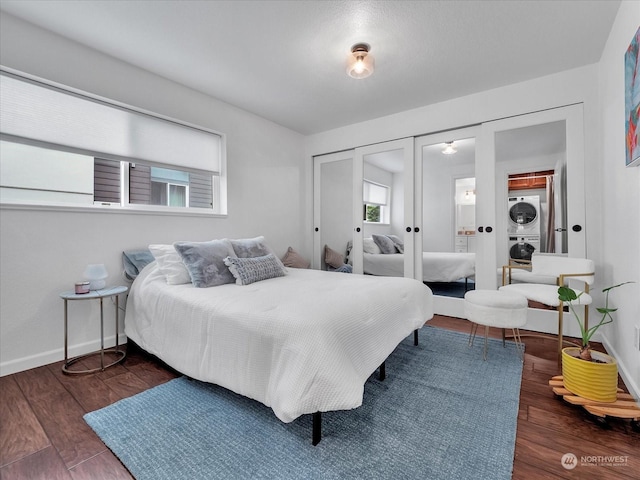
<point x="436" y="266"/>
<point x="302" y="343"/>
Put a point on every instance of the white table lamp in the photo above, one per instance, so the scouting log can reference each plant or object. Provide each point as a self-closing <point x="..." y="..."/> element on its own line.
<point x="96" y="273"/>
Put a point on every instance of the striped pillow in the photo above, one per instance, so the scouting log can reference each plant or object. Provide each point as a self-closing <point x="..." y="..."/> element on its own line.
<point x="250" y="270"/>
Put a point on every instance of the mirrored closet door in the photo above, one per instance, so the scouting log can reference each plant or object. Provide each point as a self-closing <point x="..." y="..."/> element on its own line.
<point x="445" y="206"/>
<point x="535" y="167"/>
<point x="333" y="207"/>
<point x="383" y="209"/>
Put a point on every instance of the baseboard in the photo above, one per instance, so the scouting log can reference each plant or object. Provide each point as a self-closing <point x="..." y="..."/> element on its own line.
<point x="634" y="388"/>
<point x="52" y="356"/>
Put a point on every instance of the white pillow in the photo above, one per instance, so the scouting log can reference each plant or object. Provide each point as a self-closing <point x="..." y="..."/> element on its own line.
<point x="369" y="246"/>
<point x="170" y="264"/>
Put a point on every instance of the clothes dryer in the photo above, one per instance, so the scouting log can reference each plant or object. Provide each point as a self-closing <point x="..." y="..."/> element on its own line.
<point x="524" y="215"/>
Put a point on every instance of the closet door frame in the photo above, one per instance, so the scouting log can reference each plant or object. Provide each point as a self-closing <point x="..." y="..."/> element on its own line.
<point x="572" y="115"/>
<point x="407" y="146"/>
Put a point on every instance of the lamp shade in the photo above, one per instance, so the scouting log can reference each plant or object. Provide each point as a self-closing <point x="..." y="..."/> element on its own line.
<point x="360" y="63"/>
<point x="96" y="273"/>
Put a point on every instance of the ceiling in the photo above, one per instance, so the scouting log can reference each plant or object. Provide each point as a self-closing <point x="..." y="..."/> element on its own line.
<point x="286" y="60"/>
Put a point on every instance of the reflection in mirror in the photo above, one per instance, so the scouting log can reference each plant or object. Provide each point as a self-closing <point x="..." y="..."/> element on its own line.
<point x="383" y="213"/>
<point x="336" y="197"/>
<point x="448" y="217"/>
<point x="532" y="202"/>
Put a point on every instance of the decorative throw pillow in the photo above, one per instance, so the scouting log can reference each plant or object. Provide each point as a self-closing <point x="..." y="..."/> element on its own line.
<point x="397" y="241"/>
<point x="333" y="258"/>
<point x="170" y="264"/>
<point x="385" y="244"/>
<point x="250" y="247"/>
<point x="294" y="260"/>
<point x="250" y="270"/>
<point x="369" y="246"/>
<point x="205" y="261"/>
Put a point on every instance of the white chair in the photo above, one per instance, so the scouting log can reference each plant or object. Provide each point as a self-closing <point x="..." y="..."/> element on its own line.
<point x="493" y="308"/>
<point x="563" y="269"/>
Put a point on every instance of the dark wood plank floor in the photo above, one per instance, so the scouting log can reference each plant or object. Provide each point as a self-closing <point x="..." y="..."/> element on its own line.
<point x="43" y="434"/>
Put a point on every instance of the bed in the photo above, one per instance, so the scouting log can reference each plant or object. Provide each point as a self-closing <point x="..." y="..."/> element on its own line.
<point x="436" y="266"/>
<point x="302" y="343"/>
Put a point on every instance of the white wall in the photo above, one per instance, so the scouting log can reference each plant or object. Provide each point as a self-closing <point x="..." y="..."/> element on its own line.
<point x="620" y="212"/>
<point x="43" y="252"/>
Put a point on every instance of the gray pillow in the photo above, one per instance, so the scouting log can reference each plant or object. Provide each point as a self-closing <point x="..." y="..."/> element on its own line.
<point x="250" y="247"/>
<point x="397" y="241"/>
<point x="205" y="261"/>
<point x="250" y="270"/>
<point x="385" y="244"/>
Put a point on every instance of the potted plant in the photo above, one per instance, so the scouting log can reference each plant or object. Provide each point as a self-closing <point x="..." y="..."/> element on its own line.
<point x="586" y="373"/>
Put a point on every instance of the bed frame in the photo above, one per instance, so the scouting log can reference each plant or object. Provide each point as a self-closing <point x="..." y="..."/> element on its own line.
<point x="316" y="433"/>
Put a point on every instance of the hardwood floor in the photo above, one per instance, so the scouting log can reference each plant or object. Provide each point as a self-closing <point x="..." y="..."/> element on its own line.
<point x="43" y="434"/>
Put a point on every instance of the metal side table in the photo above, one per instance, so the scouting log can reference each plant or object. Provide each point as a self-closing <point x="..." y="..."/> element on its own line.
<point x="100" y="295"/>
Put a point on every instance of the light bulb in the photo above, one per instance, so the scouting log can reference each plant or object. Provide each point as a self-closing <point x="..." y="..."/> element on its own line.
<point x="449" y="149"/>
<point x="360" y="63"/>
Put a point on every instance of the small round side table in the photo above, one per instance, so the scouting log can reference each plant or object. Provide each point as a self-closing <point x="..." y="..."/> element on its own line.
<point x="100" y="295"/>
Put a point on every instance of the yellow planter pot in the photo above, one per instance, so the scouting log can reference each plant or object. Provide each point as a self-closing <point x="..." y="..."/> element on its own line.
<point x="591" y="380"/>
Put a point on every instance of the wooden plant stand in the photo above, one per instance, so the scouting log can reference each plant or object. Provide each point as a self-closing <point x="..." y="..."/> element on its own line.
<point x="624" y="407"/>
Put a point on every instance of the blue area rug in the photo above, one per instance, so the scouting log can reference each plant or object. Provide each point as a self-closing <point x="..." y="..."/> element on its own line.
<point x="441" y="413"/>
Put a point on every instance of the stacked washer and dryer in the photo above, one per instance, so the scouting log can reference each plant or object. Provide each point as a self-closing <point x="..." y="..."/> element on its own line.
<point x="524" y="226"/>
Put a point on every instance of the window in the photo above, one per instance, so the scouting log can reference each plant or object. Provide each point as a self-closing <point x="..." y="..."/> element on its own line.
<point x="40" y="175"/>
<point x="63" y="148"/>
<point x="376" y="202"/>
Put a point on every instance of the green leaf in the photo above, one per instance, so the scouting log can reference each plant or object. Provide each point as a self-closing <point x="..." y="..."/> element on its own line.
<point x="566" y="294"/>
<point x="604" y="310"/>
<point x="615" y="286"/>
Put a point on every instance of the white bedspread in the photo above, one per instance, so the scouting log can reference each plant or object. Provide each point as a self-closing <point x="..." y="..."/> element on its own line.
<point x="436" y="266"/>
<point x="301" y="343"/>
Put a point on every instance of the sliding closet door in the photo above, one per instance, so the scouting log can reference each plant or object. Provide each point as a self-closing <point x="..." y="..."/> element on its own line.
<point x="536" y="167"/>
<point x="383" y="205"/>
<point x="445" y="208"/>
<point x="333" y="204"/>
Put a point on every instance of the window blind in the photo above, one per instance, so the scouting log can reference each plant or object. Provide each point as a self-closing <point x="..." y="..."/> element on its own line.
<point x="42" y="113"/>
<point x="375" y="194"/>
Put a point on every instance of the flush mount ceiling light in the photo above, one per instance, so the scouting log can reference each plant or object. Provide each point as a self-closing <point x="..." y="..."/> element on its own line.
<point x="449" y="149"/>
<point x="361" y="63"/>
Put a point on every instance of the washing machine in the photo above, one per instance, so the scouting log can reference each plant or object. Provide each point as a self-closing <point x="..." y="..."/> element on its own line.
<point x="524" y="215"/>
<point x="521" y="247"/>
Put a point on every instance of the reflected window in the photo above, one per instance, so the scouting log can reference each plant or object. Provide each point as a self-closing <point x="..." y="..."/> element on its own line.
<point x="376" y="200"/>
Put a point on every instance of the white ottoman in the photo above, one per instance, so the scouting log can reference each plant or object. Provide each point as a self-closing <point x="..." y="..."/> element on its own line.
<point x="494" y="308"/>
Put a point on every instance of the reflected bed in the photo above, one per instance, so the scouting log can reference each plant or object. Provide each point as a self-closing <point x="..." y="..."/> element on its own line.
<point x="436" y="266"/>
